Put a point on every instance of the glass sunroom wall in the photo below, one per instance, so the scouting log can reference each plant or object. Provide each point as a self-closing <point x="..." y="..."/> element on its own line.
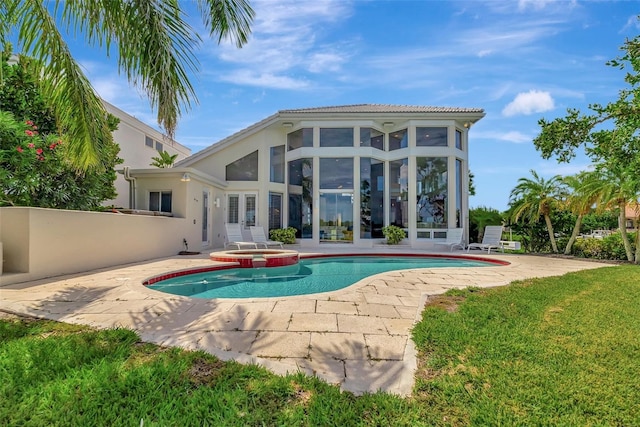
<point x="432" y="196"/>
<point x="371" y="198"/>
<point x="370" y="137"/>
<point x="335" y="179"/>
<point x="300" y="183"/>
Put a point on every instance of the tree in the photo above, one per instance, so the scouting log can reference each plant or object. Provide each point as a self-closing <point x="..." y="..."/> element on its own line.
<point x="584" y="192"/>
<point x="153" y="42"/>
<point x="34" y="170"/>
<point x="610" y="136"/>
<point x="165" y="160"/>
<point x="533" y="198"/>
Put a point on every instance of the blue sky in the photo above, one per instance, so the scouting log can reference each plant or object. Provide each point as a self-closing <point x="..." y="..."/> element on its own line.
<point x="518" y="60"/>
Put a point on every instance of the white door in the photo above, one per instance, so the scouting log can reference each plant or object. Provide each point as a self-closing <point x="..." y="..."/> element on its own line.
<point x="242" y="208"/>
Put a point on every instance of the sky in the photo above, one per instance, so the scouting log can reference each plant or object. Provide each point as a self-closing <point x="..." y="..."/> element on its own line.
<point x="519" y="60"/>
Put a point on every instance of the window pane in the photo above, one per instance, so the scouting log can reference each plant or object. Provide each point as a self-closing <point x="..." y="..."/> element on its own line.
<point x="148" y="141"/>
<point x="300" y="138"/>
<point x="233" y="207"/>
<point x="371" y="198"/>
<point x="458" y="140"/>
<point x="336" y="137"/>
<point x="154" y="201"/>
<point x="165" y="202"/>
<point x="398" y="139"/>
<point x="275" y="210"/>
<point x="249" y="210"/>
<point x="301" y="197"/>
<point x="159" y="147"/>
<point x="399" y="193"/>
<point x="244" y="169"/>
<point x="431" y="137"/>
<point x="371" y="138"/>
<point x="431" y="189"/>
<point x="336" y="173"/>
<point x="277" y="164"/>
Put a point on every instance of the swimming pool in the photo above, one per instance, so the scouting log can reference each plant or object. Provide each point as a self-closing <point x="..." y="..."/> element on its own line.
<point x="309" y="276"/>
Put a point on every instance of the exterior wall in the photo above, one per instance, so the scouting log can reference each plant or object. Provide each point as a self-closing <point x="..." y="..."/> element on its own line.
<point x="39" y="243"/>
<point x="275" y="135"/>
<point x="130" y="136"/>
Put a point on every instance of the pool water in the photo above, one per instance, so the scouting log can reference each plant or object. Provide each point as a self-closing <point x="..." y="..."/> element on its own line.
<point x="309" y="276"/>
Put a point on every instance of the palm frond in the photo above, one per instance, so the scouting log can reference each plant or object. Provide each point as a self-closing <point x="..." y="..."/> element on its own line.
<point x="228" y="18"/>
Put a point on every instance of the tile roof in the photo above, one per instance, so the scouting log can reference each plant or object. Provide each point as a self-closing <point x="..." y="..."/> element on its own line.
<point x="383" y="108"/>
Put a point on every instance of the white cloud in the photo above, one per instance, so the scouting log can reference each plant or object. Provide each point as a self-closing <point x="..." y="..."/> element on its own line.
<point x="509" y="136"/>
<point x="267" y="80"/>
<point x="530" y="102"/>
<point x="564" y="169"/>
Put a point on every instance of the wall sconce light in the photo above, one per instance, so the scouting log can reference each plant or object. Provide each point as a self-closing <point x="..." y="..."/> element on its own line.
<point x="387" y="124"/>
<point x="467" y="124"/>
<point x="287" y="124"/>
<point x="216" y="202"/>
<point x="185" y="178"/>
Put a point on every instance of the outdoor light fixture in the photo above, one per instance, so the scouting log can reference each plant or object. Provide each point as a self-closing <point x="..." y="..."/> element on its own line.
<point x="216" y="202"/>
<point x="185" y="178"/>
<point x="467" y="124"/>
<point x="287" y="124"/>
<point x="387" y="124"/>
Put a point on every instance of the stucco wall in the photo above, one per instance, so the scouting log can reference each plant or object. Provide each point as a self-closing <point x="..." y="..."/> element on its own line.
<point x="39" y="243"/>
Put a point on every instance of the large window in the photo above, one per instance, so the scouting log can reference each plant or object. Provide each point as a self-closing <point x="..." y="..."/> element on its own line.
<point x="244" y="169"/>
<point x="399" y="193"/>
<point x="336" y="173"/>
<point x="459" y="219"/>
<point x="277" y="164"/>
<point x="160" y="201"/>
<point x="371" y="198"/>
<point x="398" y="139"/>
<point x="301" y="197"/>
<point x="300" y="138"/>
<point x="458" y="140"/>
<point x="371" y="138"/>
<point x="336" y="137"/>
<point x="431" y="137"/>
<point x="431" y="190"/>
<point x="275" y="210"/>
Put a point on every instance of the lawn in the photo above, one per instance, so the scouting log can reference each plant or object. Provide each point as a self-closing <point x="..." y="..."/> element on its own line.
<point x="554" y="351"/>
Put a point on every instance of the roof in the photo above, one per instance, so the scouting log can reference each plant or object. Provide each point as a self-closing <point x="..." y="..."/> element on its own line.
<point x="383" y="108"/>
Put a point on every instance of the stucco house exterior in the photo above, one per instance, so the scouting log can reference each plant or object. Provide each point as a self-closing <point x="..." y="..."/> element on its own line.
<point x="138" y="143"/>
<point x="336" y="174"/>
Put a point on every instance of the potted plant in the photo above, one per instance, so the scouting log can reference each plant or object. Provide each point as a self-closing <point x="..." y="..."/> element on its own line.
<point x="394" y="234"/>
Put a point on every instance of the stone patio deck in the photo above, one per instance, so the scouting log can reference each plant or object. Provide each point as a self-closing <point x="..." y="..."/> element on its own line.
<point x="357" y="337"/>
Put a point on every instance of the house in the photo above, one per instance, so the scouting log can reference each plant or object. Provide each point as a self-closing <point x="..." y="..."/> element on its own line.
<point x="632" y="215"/>
<point x="138" y="143"/>
<point x="338" y="175"/>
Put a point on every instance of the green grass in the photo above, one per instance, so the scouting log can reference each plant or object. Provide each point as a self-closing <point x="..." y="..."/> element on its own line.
<point x="555" y="351"/>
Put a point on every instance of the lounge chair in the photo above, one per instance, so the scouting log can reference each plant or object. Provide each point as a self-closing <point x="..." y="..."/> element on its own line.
<point x="490" y="239"/>
<point x="454" y="238"/>
<point x="260" y="238"/>
<point x="234" y="237"/>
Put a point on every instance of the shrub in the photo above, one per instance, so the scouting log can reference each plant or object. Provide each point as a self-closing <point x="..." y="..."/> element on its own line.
<point x="393" y="234"/>
<point x="610" y="247"/>
<point x="284" y="235"/>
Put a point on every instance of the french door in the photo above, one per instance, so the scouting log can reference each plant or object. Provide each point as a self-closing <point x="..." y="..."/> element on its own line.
<point x="242" y="208"/>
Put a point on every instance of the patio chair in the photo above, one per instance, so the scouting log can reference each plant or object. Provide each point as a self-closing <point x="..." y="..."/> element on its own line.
<point x="258" y="235"/>
<point x="234" y="237"/>
<point x="490" y="239"/>
<point x="454" y="238"/>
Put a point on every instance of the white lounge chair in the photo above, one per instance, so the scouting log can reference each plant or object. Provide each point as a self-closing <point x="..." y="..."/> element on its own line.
<point x="454" y="238"/>
<point x="258" y="235"/>
<point x="234" y="237"/>
<point x="490" y="239"/>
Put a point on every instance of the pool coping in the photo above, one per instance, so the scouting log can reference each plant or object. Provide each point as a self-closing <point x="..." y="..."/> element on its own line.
<point x="357" y="337"/>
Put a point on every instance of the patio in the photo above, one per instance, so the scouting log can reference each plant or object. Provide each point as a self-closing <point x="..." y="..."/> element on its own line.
<point x="358" y="337"/>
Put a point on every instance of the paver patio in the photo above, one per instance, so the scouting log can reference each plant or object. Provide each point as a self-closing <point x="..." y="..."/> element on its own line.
<point x="358" y="337"/>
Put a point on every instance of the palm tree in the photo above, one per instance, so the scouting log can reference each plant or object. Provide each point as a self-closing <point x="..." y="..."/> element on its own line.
<point x="165" y="160"/>
<point x="615" y="192"/>
<point x="536" y="197"/>
<point x="584" y="193"/>
<point x="153" y="43"/>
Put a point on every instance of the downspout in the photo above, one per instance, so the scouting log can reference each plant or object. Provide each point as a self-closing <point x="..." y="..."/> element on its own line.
<point x="132" y="187"/>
